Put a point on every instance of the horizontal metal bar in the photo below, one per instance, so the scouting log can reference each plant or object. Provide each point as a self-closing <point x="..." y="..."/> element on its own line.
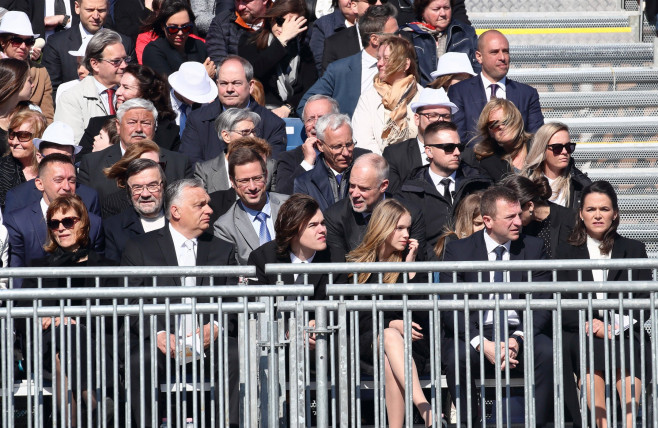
<point x="131" y="271"/>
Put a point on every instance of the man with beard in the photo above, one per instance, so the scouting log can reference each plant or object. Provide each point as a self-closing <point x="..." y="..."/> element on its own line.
<point x="145" y="184"/>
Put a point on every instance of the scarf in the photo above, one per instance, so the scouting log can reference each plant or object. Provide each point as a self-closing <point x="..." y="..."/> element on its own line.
<point x="287" y="69"/>
<point x="440" y="37"/>
<point x="395" y="99"/>
<point x="67" y="258"/>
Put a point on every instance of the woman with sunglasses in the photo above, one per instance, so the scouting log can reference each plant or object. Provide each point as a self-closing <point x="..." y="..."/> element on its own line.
<point x="282" y="59"/>
<point x="437" y="32"/>
<point x="68" y="245"/>
<point x="550" y="157"/>
<point x="173" y="25"/>
<point x="20" y="163"/>
<point x="502" y="143"/>
<point x="17" y="41"/>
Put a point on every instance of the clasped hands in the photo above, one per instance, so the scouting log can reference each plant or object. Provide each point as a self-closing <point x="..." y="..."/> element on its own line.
<point x="507" y="356"/>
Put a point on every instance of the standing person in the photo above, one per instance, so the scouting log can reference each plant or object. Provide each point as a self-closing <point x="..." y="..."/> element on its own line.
<point x="387" y="239"/>
<point x="15" y="86"/>
<point x="595" y="237"/>
<point x="550" y="156"/>
<point x="501" y="239"/>
<point x="384" y="111"/>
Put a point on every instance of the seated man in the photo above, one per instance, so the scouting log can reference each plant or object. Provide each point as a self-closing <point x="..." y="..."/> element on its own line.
<point x="182" y="242"/>
<point x="249" y="223"/>
<point x="501" y="239"/>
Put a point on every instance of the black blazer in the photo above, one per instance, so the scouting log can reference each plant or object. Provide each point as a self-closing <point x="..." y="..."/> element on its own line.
<point x="91" y="168"/>
<point x="167" y="134"/>
<point x="36" y="10"/>
<point x="266" y="253"/>
<point x="163" y="58"/>
<point x="288" y="168"/>
<point x="561" y="223"/>
<point x="120" y="229"/>
<point x="220" y="202"/>
<point x="156" y="248"/>
<point x="340" y="45"/>
<point x="63" y="67"/>
<point x="403" y="158"/>
<point x="473" y="248"/>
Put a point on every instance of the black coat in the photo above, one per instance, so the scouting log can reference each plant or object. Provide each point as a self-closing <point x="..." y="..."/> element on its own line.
<point x="341" y="45"/>
<point x="162" y="57"/>
<point x="560" y="223"/>
<point x="266" y="63"/>
<point x="128" y="16"/>
<point x="220" y="202"/>
<point x="120" y="229"/>
<point x="403" y="158"/>
<point x="288" y="168"/>
<point x="36" y="10"/>
<point x="11" y="175"/>
<point x="224" y="35"/>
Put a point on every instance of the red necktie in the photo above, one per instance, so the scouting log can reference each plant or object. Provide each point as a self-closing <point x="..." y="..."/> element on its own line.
<point x="110" y="100"/>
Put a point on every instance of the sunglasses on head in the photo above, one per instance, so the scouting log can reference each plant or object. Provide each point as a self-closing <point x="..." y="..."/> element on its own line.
<point x="174" y="29"/>
<point x="22" y="136"/>
<point x="17" y="41"/>
<point x="448" y="147"/>
<point x="557" y="148"/>
<point x="67" y="222"/>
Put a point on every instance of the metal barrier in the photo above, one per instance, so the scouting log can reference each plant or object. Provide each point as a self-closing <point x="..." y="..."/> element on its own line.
<point x="277" y="378"/>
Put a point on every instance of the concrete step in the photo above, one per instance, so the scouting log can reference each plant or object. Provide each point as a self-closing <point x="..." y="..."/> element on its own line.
<point x="643" y="129"/>
<point x="599" y="104"/>
<point x="582" y="55"/>
<point x="589" y="79"/>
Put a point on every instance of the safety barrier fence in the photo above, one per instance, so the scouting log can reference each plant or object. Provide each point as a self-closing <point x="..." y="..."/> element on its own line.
<point x="291" y="361"/>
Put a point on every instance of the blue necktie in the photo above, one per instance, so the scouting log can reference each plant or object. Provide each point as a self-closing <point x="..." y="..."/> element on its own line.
<point x="183" y="117"/>
<point x="264" y="234"/>
<point x="339" y="177"/>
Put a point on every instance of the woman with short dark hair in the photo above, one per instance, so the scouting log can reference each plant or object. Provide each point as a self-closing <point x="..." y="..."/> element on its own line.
<point x="15" y="87"/>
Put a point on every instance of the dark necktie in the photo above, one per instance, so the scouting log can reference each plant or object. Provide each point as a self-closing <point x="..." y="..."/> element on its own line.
<point x="446" y="189"/>
<point x="498" y="277"/>
<point x="60" y="7"/>
<point x="110" y="100"/>
<point x="339" y="177"/>
<point x="494" y="88"/>
<point x="183" y="117"/>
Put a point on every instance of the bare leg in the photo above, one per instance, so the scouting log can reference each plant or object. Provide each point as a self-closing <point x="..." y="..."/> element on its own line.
<point x="394" y="350"/>
<point x="394" y="397"/>
<point x="630" y="402"/>
<point x="599" y="398"/>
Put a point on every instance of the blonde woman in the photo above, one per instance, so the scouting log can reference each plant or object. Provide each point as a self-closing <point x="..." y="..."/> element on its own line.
<point x="467" y="219"/>
<point x="550" y="157"/>
<point x="387" y="240"/>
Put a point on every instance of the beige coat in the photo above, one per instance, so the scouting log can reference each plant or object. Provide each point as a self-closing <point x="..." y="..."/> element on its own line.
<point x="79" y="104"/>
<point x="42" y="92"/>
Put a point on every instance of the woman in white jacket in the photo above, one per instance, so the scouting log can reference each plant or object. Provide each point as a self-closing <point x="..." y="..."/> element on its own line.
<point x="382" y="116"/>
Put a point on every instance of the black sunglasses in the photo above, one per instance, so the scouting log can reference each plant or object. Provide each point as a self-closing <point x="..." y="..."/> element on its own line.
<point x="17" y="41"/>
<point x="22" y="136"/>
<point x="174" y="29"/>
<point x="374" y="2"/>
<point x="280" y="21"/>
<point x="448" y="147"/>
<point x="557" y="148"/>
<point x="67" y="222"/>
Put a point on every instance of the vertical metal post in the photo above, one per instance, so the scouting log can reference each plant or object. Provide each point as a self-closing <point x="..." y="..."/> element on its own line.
<point x="321" y="366"/>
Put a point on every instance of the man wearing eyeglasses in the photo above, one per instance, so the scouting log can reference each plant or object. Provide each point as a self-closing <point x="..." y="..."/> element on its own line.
<point x="95" y="95"/>
<point x="63" y="67"/>
<point x="249" y="223"/>
<point x="403" y="158"/>
<point x="438" y="187"/>
<point x="328" y="181"/>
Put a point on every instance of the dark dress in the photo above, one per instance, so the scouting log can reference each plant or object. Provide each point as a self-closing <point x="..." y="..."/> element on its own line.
<point x="11" y="175"/>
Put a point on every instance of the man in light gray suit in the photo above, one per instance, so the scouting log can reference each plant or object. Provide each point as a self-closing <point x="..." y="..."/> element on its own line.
<point x="249" y="223"/>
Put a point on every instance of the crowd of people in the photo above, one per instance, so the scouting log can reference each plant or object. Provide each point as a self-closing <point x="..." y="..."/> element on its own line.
<point x="133" y="135"/>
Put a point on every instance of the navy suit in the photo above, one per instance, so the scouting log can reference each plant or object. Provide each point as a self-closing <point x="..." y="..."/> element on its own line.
<point x="341" y="81"/>
<point x="26" y="193"/>
<point x="119" y="229"/>
<point x="200" y="141"/>
<point x="469" y="95"/>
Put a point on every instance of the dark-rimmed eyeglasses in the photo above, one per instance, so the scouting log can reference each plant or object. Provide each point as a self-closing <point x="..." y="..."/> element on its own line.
<point x="244" y="182"/>
<point x="67" y="222"/>
<point x="17" y="41"/>
<point x="137" y="189"/>
<point x="174" y="29"/>
<point x="117" y="62"/>
<point x="21" y="136"/>
<point x="557" y="148"/>
<point x="447" y="147"/>
<point x="436" y="116"/>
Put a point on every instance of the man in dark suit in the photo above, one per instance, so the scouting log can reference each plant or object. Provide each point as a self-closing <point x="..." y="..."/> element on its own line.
<point x="433" y="105"/>
<point x="347" y="219"/>
<point x="327" y="182"/>
<point x="472" y="94"/>
<point x="438" y="187"/>
<point x="345" y="80"/>
<point x="58" y="20"/>
<point x="27" y="226"/>
<point x="297" y="161"/>
<point x="58" y="138"/>
<point x="500" y="240"/>
<point x="61" y="66"/>
<point x="136" y="120"/>
<point x="146" y="182"/>
<point x="183" y="242"/>
<point x="200" y="141"/>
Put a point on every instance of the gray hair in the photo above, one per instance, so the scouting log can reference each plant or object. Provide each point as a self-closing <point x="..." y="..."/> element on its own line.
<point x="248" y="68"/>
<point x="230" y="117"/>
<point x="332" y="121"/>
<point x="376" y="162"/>
<point x="174" y="192"/>
<point x="102" y="39"/>
<point x="137" y="103"/>
<point x="335" y="109"/>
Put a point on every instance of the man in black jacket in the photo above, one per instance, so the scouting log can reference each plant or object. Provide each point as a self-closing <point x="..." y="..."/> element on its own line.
<point x="438" y="187"/>
<point x="200" y="141"/>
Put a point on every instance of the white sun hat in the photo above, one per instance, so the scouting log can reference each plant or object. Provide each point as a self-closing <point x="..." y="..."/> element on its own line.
<point x="15" y="22"/>
<point x="192" y="82"/>
<point x="453" y="63"/>
<point x="58" y="133"/>
<point x="434" y="98"/>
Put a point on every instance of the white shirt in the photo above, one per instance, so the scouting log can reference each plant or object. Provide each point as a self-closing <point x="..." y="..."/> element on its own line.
<point x="294" y="259"/>
<point x="267" y="209"/>
<point x="86" y="35"/>
<point x="436" y="179"/>
<point x="103" y="95"/>
<point x="423" y="155"/>
<point x="44" y="207"/>
<point x="560" y="198"/>
<point x="368" y="70"/>
<point x="175" y="105"/>
<point x="501" y="92"/>
<point x="186" y="324"/>
<point x="151" y="224"/>
<point x="50" y="11"/>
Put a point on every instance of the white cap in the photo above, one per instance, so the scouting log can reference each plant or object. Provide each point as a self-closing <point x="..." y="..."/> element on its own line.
<point x="15" y="22"/>
<point x="453" y="63"/>
<point x="58" y="133"/>
<point x="434" y="98"/>
<point x="192" y="82"/>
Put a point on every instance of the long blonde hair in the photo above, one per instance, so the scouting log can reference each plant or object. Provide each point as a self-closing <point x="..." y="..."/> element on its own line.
<point x="465" y="213"/>
<point x="383" y="221"/>
<point x="486" y="146"/>
<point x="536" y="160"/>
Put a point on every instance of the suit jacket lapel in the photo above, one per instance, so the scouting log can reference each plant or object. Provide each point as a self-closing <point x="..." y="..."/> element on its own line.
<point x="414" y="155"/>
<point x="244" y="226"/>
<point x="618" y="252"/>
<point x="480" y="90"/>
<point x="113" y="155"/>
<point x="166" y="245"/>
<point x="287" y="278"/>
<point x="319" y="179"/>
<point x="39" y="227"/>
